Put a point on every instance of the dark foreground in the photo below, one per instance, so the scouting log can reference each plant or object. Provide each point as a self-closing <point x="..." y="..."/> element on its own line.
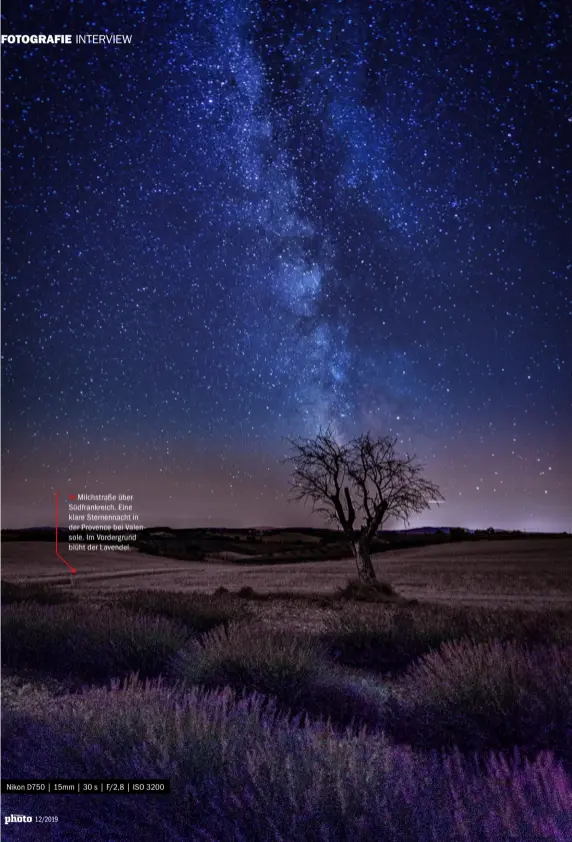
<point x="298" y="717"/>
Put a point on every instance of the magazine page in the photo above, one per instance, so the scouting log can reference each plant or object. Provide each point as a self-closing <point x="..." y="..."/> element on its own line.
<point x="286" y="421"/>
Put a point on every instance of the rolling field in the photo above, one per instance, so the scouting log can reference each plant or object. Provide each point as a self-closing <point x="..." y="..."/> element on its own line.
<point x="527" y="573"/>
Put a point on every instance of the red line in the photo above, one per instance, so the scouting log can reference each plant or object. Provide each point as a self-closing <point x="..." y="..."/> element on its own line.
<point x="73" y="570"/>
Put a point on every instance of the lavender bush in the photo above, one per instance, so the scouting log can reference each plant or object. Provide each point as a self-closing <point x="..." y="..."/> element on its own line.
<point x="391" y="638"/>
<point x="198" y="612"/>
<point x="488" y="695"/>
<point x="294" y="669"/>
<point x="241" y="772"/>
<point x="87" y="644"/>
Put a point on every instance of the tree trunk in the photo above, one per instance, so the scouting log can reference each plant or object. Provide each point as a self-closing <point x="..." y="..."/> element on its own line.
<point x="365" y="570"/>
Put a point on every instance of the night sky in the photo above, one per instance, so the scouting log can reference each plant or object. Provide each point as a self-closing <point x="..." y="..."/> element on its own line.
<point x="263" y="217"/>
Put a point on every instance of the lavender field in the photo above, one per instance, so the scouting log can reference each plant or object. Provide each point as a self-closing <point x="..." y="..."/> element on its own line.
<point x="281" y="711"/>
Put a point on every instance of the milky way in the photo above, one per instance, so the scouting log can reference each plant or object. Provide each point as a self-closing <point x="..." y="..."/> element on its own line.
<point x="260" y="218"/>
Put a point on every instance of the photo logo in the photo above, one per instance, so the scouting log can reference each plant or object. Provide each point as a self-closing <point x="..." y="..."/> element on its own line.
<point x="11" y="819"/>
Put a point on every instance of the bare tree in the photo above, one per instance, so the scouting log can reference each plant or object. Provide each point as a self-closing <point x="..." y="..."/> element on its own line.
<point x="358" y="485"/>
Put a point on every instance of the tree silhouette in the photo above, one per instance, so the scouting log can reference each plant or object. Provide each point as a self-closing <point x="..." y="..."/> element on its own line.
<point x="358" y="485"/>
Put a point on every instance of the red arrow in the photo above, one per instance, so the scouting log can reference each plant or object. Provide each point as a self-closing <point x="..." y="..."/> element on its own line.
<point x="73" y="570"/>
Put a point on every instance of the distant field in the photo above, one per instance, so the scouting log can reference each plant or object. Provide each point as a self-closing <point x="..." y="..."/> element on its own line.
<point x="526" y="572"/>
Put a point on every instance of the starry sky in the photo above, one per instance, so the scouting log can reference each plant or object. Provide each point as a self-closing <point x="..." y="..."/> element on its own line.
<point x="263" y="217"/>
